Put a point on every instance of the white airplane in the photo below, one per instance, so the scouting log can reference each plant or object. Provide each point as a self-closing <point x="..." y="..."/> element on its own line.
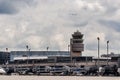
<point x="2" y="71"/>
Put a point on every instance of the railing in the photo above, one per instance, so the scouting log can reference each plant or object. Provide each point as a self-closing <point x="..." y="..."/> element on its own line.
<point x="52" y="64"/>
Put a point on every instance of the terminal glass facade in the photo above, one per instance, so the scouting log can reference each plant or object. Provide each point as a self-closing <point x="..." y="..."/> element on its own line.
<point x="15" y="54"/>
<point x="4" y="57"/>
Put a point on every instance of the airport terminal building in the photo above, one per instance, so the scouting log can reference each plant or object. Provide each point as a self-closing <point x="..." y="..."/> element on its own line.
<point x="45" y="57"/>
<point x="75" y="53"/>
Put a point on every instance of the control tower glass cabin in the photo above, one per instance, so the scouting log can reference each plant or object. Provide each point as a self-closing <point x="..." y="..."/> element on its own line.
<point x="76" y="44"/>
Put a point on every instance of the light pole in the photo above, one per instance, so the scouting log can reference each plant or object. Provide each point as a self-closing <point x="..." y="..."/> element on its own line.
<point x="47" y="48"/>
<point x="86" y="60"/>
<point x="98" y="49"/>
<point x="70" y="54"/>
<point x="68" y="48"/>
<point x="107" y="51"/>
<point x="27" y="49"/>
<point x="69" y="51"/>
<point x="7" y="58"/>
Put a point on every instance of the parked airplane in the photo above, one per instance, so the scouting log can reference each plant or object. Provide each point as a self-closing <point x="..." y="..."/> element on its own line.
<point x="2" y="71"/>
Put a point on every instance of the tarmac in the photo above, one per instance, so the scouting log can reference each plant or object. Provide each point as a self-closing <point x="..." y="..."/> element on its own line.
<point x="18" y="77"/>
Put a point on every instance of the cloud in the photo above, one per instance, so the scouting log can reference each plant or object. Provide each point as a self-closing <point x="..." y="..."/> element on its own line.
<point x="7" y="8"/>
<point x="92" y="6"/>
<point x="111" y="24"/>
<point x="12" y="7"/>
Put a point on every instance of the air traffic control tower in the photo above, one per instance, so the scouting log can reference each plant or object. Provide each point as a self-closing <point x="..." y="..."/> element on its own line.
<point x="76" y="44"/>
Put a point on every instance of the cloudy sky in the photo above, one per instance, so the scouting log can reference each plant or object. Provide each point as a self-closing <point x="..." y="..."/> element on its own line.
<point x="42" y="23"/>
